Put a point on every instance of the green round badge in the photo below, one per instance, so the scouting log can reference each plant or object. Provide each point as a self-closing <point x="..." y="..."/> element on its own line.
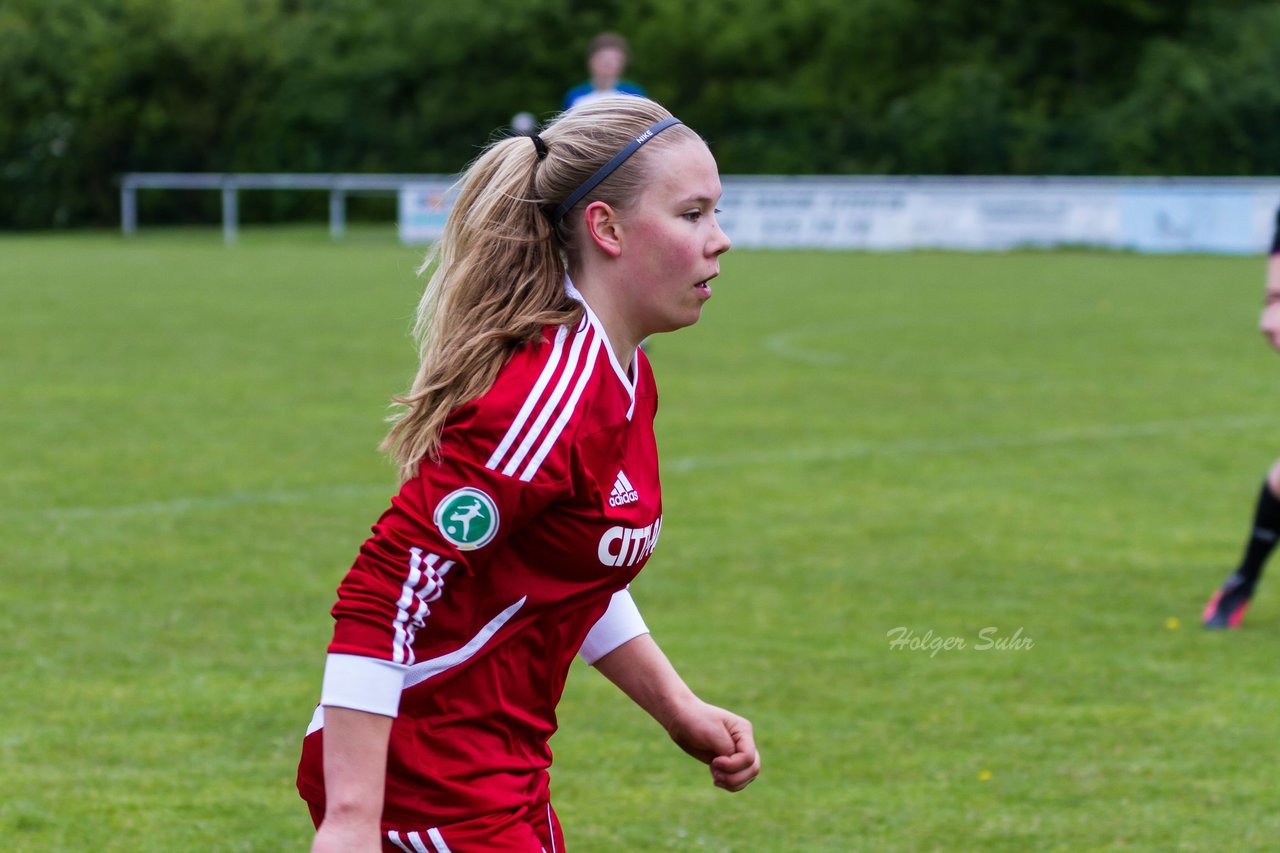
<point x="468" y="518"/>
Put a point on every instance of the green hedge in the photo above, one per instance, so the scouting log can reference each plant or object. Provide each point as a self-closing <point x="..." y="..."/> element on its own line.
<point x="93" y="88"/>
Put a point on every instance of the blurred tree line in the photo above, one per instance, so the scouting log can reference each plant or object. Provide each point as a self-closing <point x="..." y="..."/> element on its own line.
<point x="93" y="88"/>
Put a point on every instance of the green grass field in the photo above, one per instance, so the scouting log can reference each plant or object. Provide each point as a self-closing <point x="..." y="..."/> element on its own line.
<point x="1061" y="447"/>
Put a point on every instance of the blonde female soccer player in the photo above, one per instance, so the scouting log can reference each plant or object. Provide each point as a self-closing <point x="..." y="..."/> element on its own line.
<point x="530" y="495"/>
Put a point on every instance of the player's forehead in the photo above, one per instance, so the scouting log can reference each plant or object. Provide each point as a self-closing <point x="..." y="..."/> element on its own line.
<point x="683" y="170"/>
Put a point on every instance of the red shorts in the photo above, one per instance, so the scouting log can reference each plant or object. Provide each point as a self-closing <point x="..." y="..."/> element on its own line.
<point x="536" y="830"/>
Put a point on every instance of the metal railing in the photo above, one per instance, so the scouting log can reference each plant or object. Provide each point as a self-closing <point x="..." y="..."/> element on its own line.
<point x="338" y="185"/>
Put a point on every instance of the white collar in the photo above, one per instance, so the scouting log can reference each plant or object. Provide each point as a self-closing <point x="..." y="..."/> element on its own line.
<point x="628" y="381"/>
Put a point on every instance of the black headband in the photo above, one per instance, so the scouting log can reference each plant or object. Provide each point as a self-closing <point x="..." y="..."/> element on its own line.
<point x="539" y="146"/>
<point x="608" y="168"/>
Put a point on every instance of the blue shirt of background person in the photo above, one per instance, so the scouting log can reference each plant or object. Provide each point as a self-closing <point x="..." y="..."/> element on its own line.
<point x="606" y="60"/>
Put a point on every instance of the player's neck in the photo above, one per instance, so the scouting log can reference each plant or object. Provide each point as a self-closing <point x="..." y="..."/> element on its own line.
<point x="622" y="339"/>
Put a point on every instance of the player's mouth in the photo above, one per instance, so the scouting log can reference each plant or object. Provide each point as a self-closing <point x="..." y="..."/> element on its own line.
<point x="704" y="287"/>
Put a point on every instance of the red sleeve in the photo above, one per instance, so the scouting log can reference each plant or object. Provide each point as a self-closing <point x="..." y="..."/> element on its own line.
<point x="453" y="516"/>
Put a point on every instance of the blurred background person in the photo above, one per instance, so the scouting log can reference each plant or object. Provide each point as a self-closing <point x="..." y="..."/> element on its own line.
<point x="607" y="62"/>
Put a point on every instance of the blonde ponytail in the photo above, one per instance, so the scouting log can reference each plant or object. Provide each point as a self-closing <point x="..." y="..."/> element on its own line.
<point x="496" y="278"/>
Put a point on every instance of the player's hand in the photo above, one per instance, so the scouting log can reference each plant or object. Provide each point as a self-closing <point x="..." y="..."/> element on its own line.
<point x="720" y="739"/>
<point x="1270" y="324"/>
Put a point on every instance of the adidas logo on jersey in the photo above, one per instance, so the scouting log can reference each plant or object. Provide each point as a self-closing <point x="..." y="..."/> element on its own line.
<point x="623" y="492"/>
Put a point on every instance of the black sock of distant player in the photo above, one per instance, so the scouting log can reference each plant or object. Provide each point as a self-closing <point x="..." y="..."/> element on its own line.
<point x="1266" y="529"/>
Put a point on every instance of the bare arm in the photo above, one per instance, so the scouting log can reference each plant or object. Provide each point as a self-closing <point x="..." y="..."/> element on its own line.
<point x="355" y="772"/>
<point x="714" y="736"/>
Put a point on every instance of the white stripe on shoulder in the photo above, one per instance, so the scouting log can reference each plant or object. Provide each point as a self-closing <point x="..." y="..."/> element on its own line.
<point x="573" y="364"/>
<point x="557" y="348"/>
<point x="394" y="838"/>
<point x="420" y="672"/>
<point x="565" y="413"/>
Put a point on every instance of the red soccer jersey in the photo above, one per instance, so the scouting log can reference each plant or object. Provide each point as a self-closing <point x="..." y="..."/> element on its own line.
<point x="480" y="582"/>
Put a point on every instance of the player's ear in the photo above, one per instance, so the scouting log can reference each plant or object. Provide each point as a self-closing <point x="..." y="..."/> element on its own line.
<point x="604" y="227"/>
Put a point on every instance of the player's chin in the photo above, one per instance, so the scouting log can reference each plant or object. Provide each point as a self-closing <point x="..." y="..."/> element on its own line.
<point x="693" y="315"/>
<point x="687" y="315"/>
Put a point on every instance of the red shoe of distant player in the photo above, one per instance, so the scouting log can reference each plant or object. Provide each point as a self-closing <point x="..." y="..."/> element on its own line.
<point x="1226" y="608"/>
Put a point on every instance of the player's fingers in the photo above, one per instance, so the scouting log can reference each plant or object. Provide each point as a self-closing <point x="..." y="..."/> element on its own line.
<point x="744" y="739"/>
<point x="735" y="771"/>
<point x="738" y="779"/>
<point x="737" y="761"/>
<point x="743" y="747"/>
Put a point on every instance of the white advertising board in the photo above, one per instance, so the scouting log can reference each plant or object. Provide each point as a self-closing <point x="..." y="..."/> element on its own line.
<point x="986" y="214"/>
<point x="423" y="209"/>
<point x="1209" y="215"/>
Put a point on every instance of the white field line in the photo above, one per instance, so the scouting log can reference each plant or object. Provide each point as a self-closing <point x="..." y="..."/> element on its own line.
<point x="1049" y="438"/>
<point x="784" y="343"/>
<point x="781" y="345"/>
<point x="778" y="456"/>
<point x="175" y="506"/>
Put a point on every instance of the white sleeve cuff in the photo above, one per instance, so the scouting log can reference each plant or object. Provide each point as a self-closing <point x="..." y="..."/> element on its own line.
<point x="363" y="684"/>
<point x="620" y="623"/>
